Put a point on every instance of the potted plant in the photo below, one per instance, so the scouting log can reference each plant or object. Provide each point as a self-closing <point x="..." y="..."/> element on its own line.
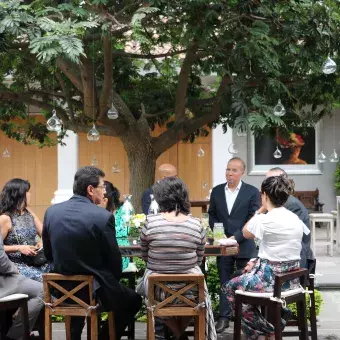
<point x="209" y="235"/>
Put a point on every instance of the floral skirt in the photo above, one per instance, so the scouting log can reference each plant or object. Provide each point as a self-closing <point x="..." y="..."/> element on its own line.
<point x="261" y="280"/>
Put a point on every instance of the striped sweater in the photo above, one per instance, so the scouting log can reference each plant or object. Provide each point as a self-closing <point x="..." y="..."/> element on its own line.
<point x="172" y="247"/>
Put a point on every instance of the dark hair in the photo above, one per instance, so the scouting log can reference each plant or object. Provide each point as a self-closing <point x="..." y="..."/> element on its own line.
<point x="171" y="194"/>
<point x="284" y="174"/>
<point x="112" y="194"/>
<point x="277" y="188"/>
<point x="13" y="196"/>
<point x="85" y="176"/>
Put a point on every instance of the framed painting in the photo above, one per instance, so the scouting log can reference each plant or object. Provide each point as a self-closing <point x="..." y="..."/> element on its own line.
<point x="299" y="151"/>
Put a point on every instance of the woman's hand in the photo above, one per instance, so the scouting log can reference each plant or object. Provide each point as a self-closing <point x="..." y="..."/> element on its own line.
<point x="28" y="250"/>
<point x="248" y="268"/>
<point x="39" y="245"/>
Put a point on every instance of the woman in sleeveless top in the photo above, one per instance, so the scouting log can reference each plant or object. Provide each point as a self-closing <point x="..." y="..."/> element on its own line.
<point x="20" y="227"/>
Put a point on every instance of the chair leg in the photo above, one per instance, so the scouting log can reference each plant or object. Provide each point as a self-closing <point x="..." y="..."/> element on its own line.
<point x="48" y="324"/>
<point x="68" y="327"/>
<point x="238" y="315"/>
<point x="151" y="327"/>
<point x="277" y="322"/>
<point x="94" y="326"/>
<point x="302" y="318"/>
<point x="24" y="313"/>
<point x="331" y="227"/>
<point x="201" y="324"/>
<point x="196" y="327"/>
<point x="313" y="317"/>
<point x="112" y="330"/>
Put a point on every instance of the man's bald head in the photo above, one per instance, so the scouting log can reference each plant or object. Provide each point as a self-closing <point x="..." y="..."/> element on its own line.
<point x="167" y="170"/>
<point x="276" y="172"/>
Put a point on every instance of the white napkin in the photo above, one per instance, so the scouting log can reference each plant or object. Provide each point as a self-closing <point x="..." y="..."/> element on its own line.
<point x="227" y="242"/>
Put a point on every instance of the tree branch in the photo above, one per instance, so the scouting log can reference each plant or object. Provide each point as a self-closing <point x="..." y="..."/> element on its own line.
<point x="67" y="95"/>
<point x="108" y="74"/>
<point x="146" y="56"/>
<point x="160" y="113"/>
<point x="183" y="81"/>
<point x="68" y="69"/>
<point x="183" y="128"/>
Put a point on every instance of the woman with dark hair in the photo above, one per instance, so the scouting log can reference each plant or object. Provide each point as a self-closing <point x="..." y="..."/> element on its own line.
<point x="19" y="228"/>
<point x="173" y="242"/>
<point x="280" y="233"/>
<point x="113" y="204"/>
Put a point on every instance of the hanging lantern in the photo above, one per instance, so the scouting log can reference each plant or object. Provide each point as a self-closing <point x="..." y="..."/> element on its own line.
<point x="93" y="135"/>
<point x="329" y="66"/>
<point x="279" y="109"/>
<point x="54" y="123"/>
<point x="112" y="113"/>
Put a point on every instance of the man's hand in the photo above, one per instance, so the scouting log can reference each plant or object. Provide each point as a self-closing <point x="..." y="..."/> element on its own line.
<point x="232" y="237"/>
<point x="248" y="268"/>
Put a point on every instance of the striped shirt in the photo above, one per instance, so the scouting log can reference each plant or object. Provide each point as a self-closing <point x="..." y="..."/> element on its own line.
<point x="172" y="247"/>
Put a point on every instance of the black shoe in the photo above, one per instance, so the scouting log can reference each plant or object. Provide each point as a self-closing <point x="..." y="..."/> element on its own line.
<point x="221" y="325"/>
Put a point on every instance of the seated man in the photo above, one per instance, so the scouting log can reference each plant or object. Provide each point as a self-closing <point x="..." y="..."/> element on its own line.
<point x="11" y="282"/>
<point x="79" y="238"/>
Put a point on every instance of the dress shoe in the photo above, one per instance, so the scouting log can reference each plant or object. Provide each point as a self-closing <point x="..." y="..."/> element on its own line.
<point x="221" y="325"/>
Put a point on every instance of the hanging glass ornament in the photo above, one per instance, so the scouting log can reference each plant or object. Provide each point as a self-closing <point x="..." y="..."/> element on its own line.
<point x="334" y="158"/>
<point x="6" y="154"/>
<point x="54" y="123"/>
<point x="94" y="161"/>
<point x="233" y="149"/>
<point x="322" y="158"/>
<point x="204" y="186"/>
<point x="200" y="152"/>
<point x="93" y="135"/>
<point x="116" y="168"/>
<point x="329" y="66"/>
<point x="241" y="133"/>
<point x="277" y="153"/>
<point x="279" y="109"/>
<point x="112" y="113"/>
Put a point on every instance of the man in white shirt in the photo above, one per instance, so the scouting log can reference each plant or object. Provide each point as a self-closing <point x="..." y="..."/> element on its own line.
<point x="233" y="204"/>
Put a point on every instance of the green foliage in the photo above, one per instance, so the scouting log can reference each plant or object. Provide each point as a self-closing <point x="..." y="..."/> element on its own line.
<point x="265" y="50"/>
<point x="318" y="304"/>
<point x="337" y="179"/>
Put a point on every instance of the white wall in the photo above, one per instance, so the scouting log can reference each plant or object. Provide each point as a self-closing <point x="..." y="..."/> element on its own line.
<point x="324" y="182"/>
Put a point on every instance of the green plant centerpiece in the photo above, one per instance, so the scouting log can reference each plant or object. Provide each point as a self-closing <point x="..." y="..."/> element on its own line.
<point x="135" y="225"/>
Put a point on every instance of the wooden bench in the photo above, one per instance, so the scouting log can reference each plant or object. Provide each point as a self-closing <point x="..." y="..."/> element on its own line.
<point x="310" y="199"/>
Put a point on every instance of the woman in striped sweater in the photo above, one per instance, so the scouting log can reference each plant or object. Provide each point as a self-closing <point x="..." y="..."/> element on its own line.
<point x="172" y="243"/>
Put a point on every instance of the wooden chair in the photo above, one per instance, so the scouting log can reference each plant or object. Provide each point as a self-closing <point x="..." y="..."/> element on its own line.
<point x="78" y="307"/>
<point x="167" y="308"/>
<point x="273" y="301"/>
<point x="13" y="302"/>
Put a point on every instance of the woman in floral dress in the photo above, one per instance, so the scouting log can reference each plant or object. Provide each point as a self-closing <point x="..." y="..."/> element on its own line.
<point x="280" y="233"/>
<point x="112" y="203"/>
<point x="19" y="227"/>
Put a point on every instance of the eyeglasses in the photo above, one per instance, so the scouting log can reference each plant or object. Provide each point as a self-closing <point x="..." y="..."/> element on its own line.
<point x="103" y="186"/>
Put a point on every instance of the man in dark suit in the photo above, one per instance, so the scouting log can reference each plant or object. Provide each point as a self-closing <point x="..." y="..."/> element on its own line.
<point x="233" y="204"/>
<point x="79" y="238"/>
<point x="165" y="170"/>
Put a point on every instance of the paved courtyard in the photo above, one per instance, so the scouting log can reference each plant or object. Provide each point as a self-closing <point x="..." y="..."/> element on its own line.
<point x="328" y="281"/>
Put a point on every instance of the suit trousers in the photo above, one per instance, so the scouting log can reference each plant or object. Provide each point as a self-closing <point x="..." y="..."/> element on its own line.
<point x="124" y="315"/>
<point x="226" y="267"/>
<point x="35" y="303"/>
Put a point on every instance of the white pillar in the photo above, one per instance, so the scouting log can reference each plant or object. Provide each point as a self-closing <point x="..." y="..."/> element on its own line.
<point x="220" y="153"/>
<point x="67" y="167"/>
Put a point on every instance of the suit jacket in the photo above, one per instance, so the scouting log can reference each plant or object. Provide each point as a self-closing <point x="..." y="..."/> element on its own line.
<point x="9" y="275"/>
<point x="295" y="206"/>
<point x="246" y="203"/>
<point x="79" y="238"/>
<point x="146" y="201"/>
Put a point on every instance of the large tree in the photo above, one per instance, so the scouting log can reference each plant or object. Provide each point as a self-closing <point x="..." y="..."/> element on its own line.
<point x="147" y="58"/>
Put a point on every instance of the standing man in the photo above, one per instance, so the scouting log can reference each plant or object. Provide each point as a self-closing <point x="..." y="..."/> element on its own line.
<point x="79" y="238"/>
<point x="165" y="170"/>
<point x="233" y="204"/>
<point x="11" y="282"/>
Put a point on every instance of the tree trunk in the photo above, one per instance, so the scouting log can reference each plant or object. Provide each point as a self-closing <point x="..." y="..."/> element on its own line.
<point x="142" y="164"/>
